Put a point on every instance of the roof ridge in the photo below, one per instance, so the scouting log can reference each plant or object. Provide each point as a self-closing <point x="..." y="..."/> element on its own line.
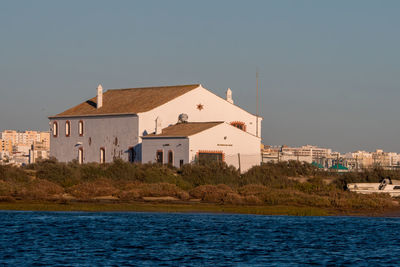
<point x="199" y="122"/>
<point x="130" y="100"/>
<point x="185" y="129"/>
<point x="154" y="87"/>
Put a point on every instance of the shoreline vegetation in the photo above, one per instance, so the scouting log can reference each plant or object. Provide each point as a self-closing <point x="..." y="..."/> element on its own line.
<point x="180" y="207"/>
<point x="285" y="188"/>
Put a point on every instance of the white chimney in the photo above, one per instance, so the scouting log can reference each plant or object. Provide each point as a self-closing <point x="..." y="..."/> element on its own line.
<point x="229" y="96"/>
<point x="99" y="96"/>
<point x="158" y="125"/>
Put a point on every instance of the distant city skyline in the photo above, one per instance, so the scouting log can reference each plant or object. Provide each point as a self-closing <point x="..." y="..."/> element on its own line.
<point x="328" y="71"/>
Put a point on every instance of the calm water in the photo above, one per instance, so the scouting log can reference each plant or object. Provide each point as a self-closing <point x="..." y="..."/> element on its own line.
<point x="153" y="239"/>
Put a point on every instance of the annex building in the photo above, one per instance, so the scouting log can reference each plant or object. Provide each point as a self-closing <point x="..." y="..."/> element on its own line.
<point x="168" y="124"/>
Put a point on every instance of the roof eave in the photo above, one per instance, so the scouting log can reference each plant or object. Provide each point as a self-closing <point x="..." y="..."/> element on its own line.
<point x="165" y="136"/>
<point x="90" y="115"/>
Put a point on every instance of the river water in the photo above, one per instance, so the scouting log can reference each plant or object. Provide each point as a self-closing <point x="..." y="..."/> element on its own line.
<point x="163" y="239"/>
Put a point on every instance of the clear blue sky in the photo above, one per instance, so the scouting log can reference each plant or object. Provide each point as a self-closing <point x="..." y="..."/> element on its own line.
<point x="329" y="70"/>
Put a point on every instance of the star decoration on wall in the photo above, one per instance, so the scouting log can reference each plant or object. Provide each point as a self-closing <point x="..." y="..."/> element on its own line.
<point x="200" y="106"/>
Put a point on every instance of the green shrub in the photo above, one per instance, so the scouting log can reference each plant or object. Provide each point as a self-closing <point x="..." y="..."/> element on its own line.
<point x="212" y="173"/>
<point x="14" y="174"/>
<point x="91" y="171"/>
<point x="269" y="174"/>
<point x="63" y="174"/>
<point x="253" y="190"/>
<point x="215" y="182"/>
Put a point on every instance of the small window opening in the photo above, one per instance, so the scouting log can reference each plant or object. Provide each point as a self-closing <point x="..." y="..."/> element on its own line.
<point x="80" y="155"/>
<point x="67" y="128"/>
<point x="80" y="128"/>
<point x="55" y="129"/>
<point x="102" y="155"/>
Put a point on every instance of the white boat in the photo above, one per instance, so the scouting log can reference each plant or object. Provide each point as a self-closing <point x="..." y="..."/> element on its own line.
<point x="392" y="187"/>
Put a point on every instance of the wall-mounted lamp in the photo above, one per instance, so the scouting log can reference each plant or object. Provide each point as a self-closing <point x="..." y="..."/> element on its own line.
<point x="78" y="144"/>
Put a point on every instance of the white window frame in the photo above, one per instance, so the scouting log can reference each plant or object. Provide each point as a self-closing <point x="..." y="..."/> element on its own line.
<point x="80" y="128"/>
<point x="67" y="128"/>
<point x="102" y="155"/>
<point x="55" y="128"/>
<point x="80" y="155"/>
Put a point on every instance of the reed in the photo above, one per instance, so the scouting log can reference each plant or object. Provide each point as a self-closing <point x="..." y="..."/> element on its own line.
<point x="284" y="184"/>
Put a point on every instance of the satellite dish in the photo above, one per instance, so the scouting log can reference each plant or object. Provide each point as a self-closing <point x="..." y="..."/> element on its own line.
<point x="183" y="118"/>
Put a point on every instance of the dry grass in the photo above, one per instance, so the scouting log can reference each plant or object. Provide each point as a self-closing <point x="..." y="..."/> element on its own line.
<point x="217" y="194"/>
<point x="136" y="191"/>
<point x="252" y="189"/>
<point x="124" y="182"/>
<point x="41" y="190"/>
<point x="92" y="189"/>
<point x="6" y="188"/>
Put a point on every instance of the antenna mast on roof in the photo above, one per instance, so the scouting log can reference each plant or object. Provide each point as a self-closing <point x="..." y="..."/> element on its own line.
<point x="257" y="103"/>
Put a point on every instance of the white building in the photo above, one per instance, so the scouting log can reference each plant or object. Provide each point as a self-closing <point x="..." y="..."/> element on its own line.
<point x="187" y="142"/>
<point x="313" y="152"/>
<point x="112" y="125"/>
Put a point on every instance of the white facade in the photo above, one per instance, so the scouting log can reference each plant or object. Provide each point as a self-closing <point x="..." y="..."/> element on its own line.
<point x="232" y="142"/>
<point x="103" y="125"/>
<point x="238" y="148"/>
<point x="200" y="105"/>
<point x="308" y="151"/>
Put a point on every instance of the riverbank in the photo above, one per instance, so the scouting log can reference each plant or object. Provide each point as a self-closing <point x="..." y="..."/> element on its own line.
<point x="185" y="207"/>
<point x="286" y="188"/>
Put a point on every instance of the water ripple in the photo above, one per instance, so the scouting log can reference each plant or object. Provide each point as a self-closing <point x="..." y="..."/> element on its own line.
<point x="157" y="239"/>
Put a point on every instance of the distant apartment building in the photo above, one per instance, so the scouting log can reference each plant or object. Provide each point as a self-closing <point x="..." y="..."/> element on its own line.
<point x="326" y="158"/>
<point x="306" y="153"/>
<point x="358" y="159"/>
<point x="24" y="147"/>
<point x="313" y="152"/>
<point x="9" y="136"/>
<point x="6" y="146"/>
<point x="365" y="159"/>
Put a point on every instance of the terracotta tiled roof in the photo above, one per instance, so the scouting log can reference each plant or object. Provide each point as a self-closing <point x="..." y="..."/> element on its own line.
<point x="129" y="101"/>
<point x="185" y="129"/>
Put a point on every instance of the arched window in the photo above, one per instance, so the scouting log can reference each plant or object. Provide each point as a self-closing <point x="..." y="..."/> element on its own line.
<point x="239" y="124"/>
<point x="102" y="155"/>
<point x="55" y="129"/>
<point x="67" y="128"/>
<point x="80" y="128"/>
<point x="80" y="155"/>
<point x="170" y="157"/>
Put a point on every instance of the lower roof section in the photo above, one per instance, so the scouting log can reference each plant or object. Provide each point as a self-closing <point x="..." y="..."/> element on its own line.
<point x="184" y="129"/>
